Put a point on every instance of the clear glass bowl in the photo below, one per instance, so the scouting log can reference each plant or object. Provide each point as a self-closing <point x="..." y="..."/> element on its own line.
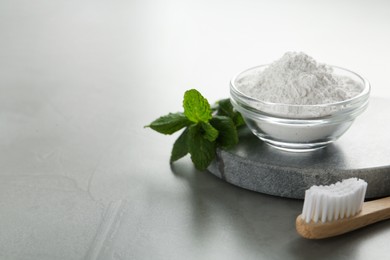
<point x="315" y="126"/>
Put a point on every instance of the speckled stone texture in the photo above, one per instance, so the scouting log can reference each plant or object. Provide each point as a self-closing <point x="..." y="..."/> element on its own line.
<point x="363" y="152"/>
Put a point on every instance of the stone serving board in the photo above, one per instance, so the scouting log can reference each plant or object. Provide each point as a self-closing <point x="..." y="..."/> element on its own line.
<point x="363" y="152"/>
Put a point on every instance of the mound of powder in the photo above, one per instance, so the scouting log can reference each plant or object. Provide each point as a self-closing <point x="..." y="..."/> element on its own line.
<point x="298" y="79"/>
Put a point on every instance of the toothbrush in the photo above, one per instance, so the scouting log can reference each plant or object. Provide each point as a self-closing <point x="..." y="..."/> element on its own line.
<point x="339" y="208"/>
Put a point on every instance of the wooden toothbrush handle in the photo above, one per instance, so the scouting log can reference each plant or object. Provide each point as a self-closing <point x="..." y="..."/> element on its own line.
<point x="372" y="212"/>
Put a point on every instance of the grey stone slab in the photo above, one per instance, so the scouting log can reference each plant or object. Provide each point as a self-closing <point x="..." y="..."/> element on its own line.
<point x="363" y="152"/>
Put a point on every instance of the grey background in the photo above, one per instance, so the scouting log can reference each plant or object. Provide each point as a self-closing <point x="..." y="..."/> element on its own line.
<point x="80" y="178"/>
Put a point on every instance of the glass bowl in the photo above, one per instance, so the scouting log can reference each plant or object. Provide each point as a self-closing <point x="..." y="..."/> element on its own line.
<point x="312" y="127"/>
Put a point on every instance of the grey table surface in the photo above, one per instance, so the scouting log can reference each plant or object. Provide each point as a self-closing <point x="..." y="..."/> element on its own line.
<point x="80" y="178"/>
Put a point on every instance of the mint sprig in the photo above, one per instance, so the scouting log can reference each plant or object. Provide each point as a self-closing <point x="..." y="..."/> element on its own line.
<point x="206" y="128"/>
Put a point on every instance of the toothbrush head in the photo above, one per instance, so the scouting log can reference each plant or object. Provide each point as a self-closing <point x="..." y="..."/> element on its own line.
<point x="336" y="201"/>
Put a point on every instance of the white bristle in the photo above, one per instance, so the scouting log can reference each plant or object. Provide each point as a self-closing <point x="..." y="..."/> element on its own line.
<point x="337" y="201"/>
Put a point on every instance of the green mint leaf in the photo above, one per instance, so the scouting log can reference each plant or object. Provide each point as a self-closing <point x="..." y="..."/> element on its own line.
<point x="225" y="108"/>
<point x="228" y="136"/>
<point x="202" y="150"/>
<point x="180" y="147"/>
<point x="210" y="133"/>
<point x="196" y="107"/>
<point x="206" y="128"/>
<point x="170" y="123"/>
<point x="238" y="119"/>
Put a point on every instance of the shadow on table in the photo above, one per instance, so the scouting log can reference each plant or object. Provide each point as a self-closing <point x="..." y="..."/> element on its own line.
<point x="359" y="244"/>
<point x="257" y="225"/>
<point x="226" y="218"/>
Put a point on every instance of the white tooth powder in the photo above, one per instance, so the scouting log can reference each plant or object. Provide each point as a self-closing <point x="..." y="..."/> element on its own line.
<point x="298" y="87"/>
<point x="298" y="79"/>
